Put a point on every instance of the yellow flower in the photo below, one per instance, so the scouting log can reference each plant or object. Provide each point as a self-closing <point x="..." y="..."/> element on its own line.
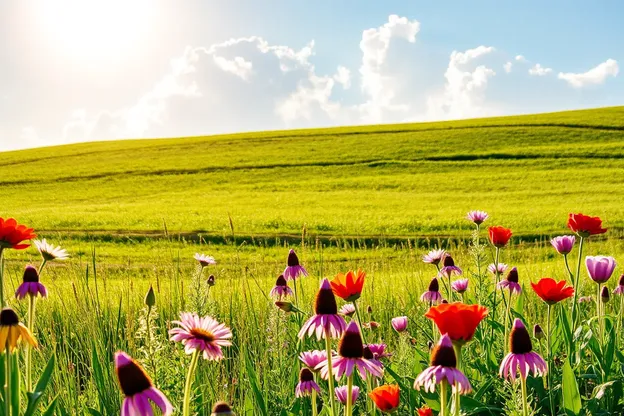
<point x="12" y="330"/>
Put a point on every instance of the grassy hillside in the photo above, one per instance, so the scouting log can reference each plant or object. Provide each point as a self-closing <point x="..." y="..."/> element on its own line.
<point x="402" y="180"/>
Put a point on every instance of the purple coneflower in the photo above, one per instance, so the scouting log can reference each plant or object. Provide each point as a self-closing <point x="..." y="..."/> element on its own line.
<point x="600" y="268"/>
<point x="204" y="260"/>
<point x="375" y="352"/>
<point x="511" y="282"/>
<point x="460" y="285"/>
<point x="350" y="357"/>
<point x="348" y="309"/>
<point x="432" y="295"/>
<point x="203" y="335"/>
<point x="50" y="252"/>
<point x="31" y="285"/>
<point x="313" y="358"/>
<point x="294" y="269"/>
<point x="478" y="217"/>
<point x="399" y="323"/>
<point x="434" y="256"/>
<point x="619" y="290"/>
<point x="326" y="320"/>
<point x="449" y="268"/>
<point x="341" y="394"/>
<point x="138" y="389"/>
<point x="563" y="244"/>
<point x="281" y="289"/>
<point x="222" y="409"/>
<point x="306" y="384"/>
<point x="502" y="267"/>
<point x="521" y="358"/>
<point x="443" y="369"/>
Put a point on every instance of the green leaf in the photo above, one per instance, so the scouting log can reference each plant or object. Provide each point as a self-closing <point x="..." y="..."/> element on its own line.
<point x="51" y="408"/>
<point x="94" y="412"/>
<point x="15" y="385"/>
<point x="255" y="385"/>
<point x="571" y="395"/>
<point x="35" y="396"/>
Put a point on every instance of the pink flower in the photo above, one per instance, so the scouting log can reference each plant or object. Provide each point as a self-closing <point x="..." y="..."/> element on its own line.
<point x="563" y="244"/>
<point x="434" y="256"/>
<point x="432" y="295"/>
<point x="326" y="321"/>
<point x="460" y="285"/>
<point x="511" y="282"/>
<point x="399" y="323"/>
<point x="205" y="335"/>
<point x="502" y="267"/>
<point x="313" y="358"/>
<point x="348" y="309"/>
<point x="306" y="384"/>
<point x="600" y="268"/>
<point x="281" y="289"/>
<point x="443" y="368"/>
<point x="204" y="260"/>
<point x="521" y="359"/>
<point x="341" y="394"/>
<point x="449" y="268"/>
<point x="619" y="290"/>
<point x="293" y="270"/>
<point x="478" y="217"/>
<point x="31" y="285"/>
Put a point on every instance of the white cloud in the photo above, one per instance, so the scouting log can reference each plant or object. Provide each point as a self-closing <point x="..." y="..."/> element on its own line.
<point x="507" y="67"/>
<point x="539" y="70"/>
<point x="237" y="66"/>
<point x="596" y="75"/>
<point x="520" y="58"/>
<point x="343" y="77"/>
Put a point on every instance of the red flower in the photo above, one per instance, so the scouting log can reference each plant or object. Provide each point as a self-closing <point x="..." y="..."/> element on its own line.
<point x="585" y="226"/>
<point x="425" y="411"/>
<point x="386" y="397"/>
<point x="499" y="236"/>
<point x="348" y="286"/>
<point x="13" y="234"/>
<point x="552" y="291"/>
<point x="458" y="320"/>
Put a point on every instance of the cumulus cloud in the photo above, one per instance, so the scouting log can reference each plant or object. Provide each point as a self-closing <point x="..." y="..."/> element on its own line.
<point x="507" y="67"/>
<point x="520" y="58"/>
<point x="237" y="66"/>
<point x="539" y="70"/>
<point x="594" y="76"/>
<point x="343" y="77"/>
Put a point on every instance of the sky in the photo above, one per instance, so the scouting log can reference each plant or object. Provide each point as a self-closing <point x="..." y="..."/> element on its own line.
<point x="85" y="70"/>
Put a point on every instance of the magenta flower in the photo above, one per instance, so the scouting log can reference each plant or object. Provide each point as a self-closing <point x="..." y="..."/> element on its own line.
<point x="502" y="267"/>
<point x="281" y="289"/>
<point x="443" y="368"/>
<point x="521" y="359"/>
<point x="205" y="335"/>
<point x="434" y="256"/>
<point x="563" y="244"/>
<point x="313" y="358"/>
<point x="478" y="217"/>
<point x="341" y="394"/>
<point x="137" y="388"/>
<point x="350" y="357"/>
<point x="294" y="269"/>
<point x="399" y="323"/>
<point x="460" y="285"/>
<point x="326" y="320"/>
<point x="432" y="295"/>
<point x="605" y="295"/>
<point x="449" y="268"/>
<point x="30" y="285"/>
<point x="204" y="260"/>
<point x="600" y="268"/>
<point x="619" y="290"/>
<point x="511" y="282"/>
<point x="348" y="309"/>
<point x="306" y="384"/>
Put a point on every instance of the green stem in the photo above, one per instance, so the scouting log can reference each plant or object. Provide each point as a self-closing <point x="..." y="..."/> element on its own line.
<point x="599" y="314"/>
<point x="357" y="315"/>
<point x="188" y="386"/>
<point x="457" y="347"/>
<point x="507" y="315"/>
<point x="443" y="407"/>
<point x="330" y="374"/>
<point x="495" y="288"/>
<point x="314" y="410"/>
<point x="149" y="340"/>
<point x="2" y="303"/>
<point x="525" y="402"/>
<point x="43" y="263"/>
<point x="565" y="260"/>
<point x="31" y="324"/>
<point x="349" y="409"/>
<point x="620" y="317"/>
<point x="7" y="381"/>
<point x="576" y="284"/>
<point x="550" y="362"/>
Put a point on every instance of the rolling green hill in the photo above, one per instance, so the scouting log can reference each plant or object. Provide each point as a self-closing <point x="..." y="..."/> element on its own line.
<point x="528" y="172"/>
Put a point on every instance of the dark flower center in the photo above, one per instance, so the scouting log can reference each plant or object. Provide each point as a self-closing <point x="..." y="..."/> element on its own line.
<point x="520" y="341"/>
<point x="280" y="281"/>
<point x="31" y="275"/>
<point x="621" y="282"/>
<point x="444" y="356"/>
<point x="8" y="317"/>
<point x="368" y="354"/>
<point x="221" y="407"/>
<point x="132" y="379"/>
<point x="351" y="345"/>
<point x="434" y="286"/>
<point x="305" y="375"/>
<point x="512" y="276"/>
<point x="448" y="261"/>
<point x="293" y="260"/>
<point x="325" y="303"/>
<point x="202" y="334"/>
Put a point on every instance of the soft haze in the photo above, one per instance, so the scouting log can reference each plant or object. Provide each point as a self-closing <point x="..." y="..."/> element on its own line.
<point x="83" y="70"/>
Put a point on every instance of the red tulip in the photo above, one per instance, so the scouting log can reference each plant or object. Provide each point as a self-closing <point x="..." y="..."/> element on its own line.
<point x="425" y="411"/>
<point x="386" y="397"/>
<point x="499" y="236"/>
<point x="552" y="291"/>
<point x="458" y="320"/>
<point x="348" y="286"/>
<point x="584" y="225"/>
<point x="12" y="234"/>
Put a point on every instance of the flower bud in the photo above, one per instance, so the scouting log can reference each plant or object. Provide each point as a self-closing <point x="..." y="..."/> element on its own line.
<point x="211" y="280"/>
<point x="604" y="295"/>
<point x="150" y="297"/>
<point x="369" y="309"/>
<point x="538" y="333"/>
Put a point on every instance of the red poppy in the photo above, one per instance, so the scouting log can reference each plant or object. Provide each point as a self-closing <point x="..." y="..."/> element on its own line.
<point x="499" y="236"/>
<point x="425" y="411"/>
<point x="386" y="397"/>
<point x="584" y="225"/>
<point x="552" y="291"/>
<point x="13" y="234"/>
<point x="458" y="320"/>
<point x="348" y="286"/>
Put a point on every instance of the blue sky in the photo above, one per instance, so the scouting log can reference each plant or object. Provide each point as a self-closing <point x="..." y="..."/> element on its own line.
<point x="82" y="70"/>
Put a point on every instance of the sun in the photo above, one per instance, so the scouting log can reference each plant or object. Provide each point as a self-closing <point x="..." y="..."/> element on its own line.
<point x="90" y="28"/>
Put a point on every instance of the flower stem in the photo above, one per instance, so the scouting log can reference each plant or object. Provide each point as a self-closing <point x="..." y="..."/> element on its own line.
<point x="2" y="304"/>
<point x="330" y="373"/>
<point x="357" y="315"/>
<point x="443" y="409"/>
<point x="620" y="317"/>
<point x="497" y="273"/>
<point x="599" y="314"/>
<point x="457" y="347"/>
<point x="7" y="381"/>
<point x="28" y="358"/>
<point x="576" y="284"/>
<point x="525" y="402"/>
<point x="349" y="409"/>
<point x="188" y="386"/>
<point x="550" y="362"/>
<point x="507" y="314"/>
<point x="565" y="260"/>
<point x="314" y="409"/>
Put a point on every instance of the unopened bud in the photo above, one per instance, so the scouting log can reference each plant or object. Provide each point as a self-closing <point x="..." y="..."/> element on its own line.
<point x="211" y="280"/>
<point x="286" y="306"/>
<point x="150" y="297"/>
<point x="369" y="309"/>
<point x="222" y="409"/>
<point x="538" y="333"/>
<point x="605" y="295"/>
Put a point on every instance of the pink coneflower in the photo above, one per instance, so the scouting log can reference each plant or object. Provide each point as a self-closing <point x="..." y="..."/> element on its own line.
<point x="478" y="217"/>
<point x="460" y="285"/>
<point x="521" y="358"/>
<point x="399" y="323"/>
<point x="138" y="389"/>
<point x="600" y="268"/>
<point x="350" y="357"/>
<point x="563" y="244"/>
<point x="313" y="358"/>
<point x="502" y="267"/>
<point x="204" y="335"/>
<point x="281" y="289"/>
<point x="348" y="309"/>
<point x="294" y="269"/>
<point x="326" y="320"/>
<point x="204" y="260"/>
<point x="511" y="282"/>
<point x="449" y="268"/>
<point x="306" y="384"/>
<point x="222" y="409"/>
<point x="434" y="256"/>
<point x="432" y="295"/>
<point x="31" y="285"/>
<point x="375" y="352"/>
<point x="619" y="290"/>
<point x="50" y="252"/>
<point x="443" y="368"/>
<point x="341" y="394"/>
